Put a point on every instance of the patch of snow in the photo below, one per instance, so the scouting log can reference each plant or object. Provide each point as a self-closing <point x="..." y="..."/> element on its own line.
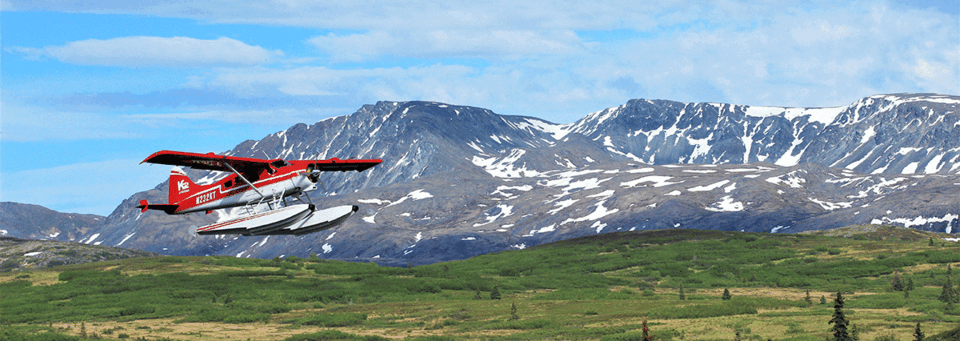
<point x="599" y="226"/>
<point x="730" y="188"/>
<point x="331" y="235"/>
<point x="419" y="195"/>
<point x="370" y="219"/>
<point x="91" y="239"/>
<point x="598" y="213"/>
<point x="418" y="237"/>
<point x="910" y="168"/>
<point x="657" y="180"/>
<point x="264" y="241"/>
<point x="674" y="193"/>
<point x="373" y="201"/>
<point x="415" y="195"/>
<point x="778" y="228"/>
<point x="546" y="229"/>
<point x="118" y="244"/>
<point x="726" y="204"/>
<point x="605" y="194"/>
<point x="520" y="246"/>
<point x="469" y="238"/>
<point x="918" y="221"/>
<point x="830" y="206"/>
<point x="934" y="165"/>
<point x="907" y="150"/>
<point x="867" y="135"/>
<point x="558" y="131"/>
<point x="701" y="171"/>
<point x="792" y="181"/>
<point x="505" y="211"/>
<point x="641" y="170"/>
<point x="240" y="254"/>
<point x="32" y="254"/>
<point x="708" y="187"/>
<point x="327" y="248"/>
<point x="562" y="205"/>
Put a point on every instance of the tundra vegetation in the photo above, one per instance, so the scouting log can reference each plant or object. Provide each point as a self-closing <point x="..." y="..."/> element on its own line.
<point x="617" y="286"/>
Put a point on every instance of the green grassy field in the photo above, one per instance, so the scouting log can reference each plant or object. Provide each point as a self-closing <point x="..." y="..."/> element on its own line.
<point x="596" y="288"/>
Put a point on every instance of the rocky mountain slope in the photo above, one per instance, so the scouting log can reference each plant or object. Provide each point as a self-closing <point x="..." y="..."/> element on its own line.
<point x="458" y="181"/>
<point x="22" y="254"/>
<point x="38" y="222"/>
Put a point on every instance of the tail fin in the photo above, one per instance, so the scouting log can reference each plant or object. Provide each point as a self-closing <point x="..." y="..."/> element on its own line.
<point x="180" y="186"/>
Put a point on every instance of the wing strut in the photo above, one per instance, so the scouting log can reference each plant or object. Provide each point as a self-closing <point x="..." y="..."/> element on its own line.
<point x="243" y="178"/>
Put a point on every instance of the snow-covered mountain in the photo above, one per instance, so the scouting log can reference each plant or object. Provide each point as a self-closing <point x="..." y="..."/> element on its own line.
<point x="459" y="181"/>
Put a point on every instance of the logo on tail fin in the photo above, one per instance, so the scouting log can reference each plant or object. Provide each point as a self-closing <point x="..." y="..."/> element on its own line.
<point x="183" y="186"/>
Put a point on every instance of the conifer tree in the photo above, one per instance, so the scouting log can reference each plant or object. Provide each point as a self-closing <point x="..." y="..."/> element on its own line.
<point x="949" y="270"/>
<point x="808" y="299"/>
<point x="946" y="294"/>
<point x="909" y="285"/>
<point x="931" y="241"/>
<point x="513" y="312"/>
<point x="917" y="333"/>
<point x="897" y="282"/>
<point x="726" y="295"/>
<point x="839" y="320"/>
<point x="823" y="299"/>
<point x="495" y="293"/>
<point x="682" y="296"/>
<point x="477" y="296"/>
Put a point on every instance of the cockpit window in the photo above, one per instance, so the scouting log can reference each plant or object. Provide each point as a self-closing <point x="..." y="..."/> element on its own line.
<point x="279" y="163"/>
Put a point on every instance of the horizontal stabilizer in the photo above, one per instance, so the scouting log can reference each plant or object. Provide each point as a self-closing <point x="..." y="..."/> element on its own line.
<point x="166" y="208"/>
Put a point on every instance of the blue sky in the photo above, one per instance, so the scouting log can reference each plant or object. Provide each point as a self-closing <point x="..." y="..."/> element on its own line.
<point x="90" y="88"/>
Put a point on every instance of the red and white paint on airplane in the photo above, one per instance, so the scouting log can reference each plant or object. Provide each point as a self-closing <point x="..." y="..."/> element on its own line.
<point x="253" y="181"/>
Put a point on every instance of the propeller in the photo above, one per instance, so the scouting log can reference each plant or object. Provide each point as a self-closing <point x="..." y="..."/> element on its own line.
<point x="314" y="176"/>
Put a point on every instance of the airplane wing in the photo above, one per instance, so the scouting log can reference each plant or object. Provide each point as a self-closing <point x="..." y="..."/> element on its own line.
<point x="336" y="164"/>
<point x="247" y="166"/>
<point x="209" y="161"/>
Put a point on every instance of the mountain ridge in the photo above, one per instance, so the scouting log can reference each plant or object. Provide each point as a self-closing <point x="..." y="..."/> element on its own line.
<point x="458" y="181"/>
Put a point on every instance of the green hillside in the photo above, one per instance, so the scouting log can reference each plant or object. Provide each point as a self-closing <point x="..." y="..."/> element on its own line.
<point x="599" y="287"/>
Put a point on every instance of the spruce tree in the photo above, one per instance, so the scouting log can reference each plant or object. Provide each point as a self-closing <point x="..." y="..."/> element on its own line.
<point x="909" y="285"/>
<point x="949" y="270"/>
<point x="839" y="320"/>
<point x="808" y="299"/>
<point x="917" y="333"/>
<point x="726" y="295"/>
<point x="682" y="296"/>
<point x="513" y="312"/>
<point x="495" y="293"/>
<point x="477" y="296"/>
<point x="931" y="241"/>
<point x="897" y="282"/>
<point x="823" y="299"/>
<point x="946" y="294"/>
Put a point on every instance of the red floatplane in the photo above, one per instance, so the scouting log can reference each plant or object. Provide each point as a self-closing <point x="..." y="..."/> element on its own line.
<point x="261" y="186"/>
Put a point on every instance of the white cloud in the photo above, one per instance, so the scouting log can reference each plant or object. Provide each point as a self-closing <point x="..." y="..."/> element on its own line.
<point x="493" y="44"/>
<point x="31" y="123"/>
<point x="156" y="51"/>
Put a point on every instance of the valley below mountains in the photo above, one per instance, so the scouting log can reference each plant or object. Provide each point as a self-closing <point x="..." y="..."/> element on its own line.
<point x="460" y="181"/>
